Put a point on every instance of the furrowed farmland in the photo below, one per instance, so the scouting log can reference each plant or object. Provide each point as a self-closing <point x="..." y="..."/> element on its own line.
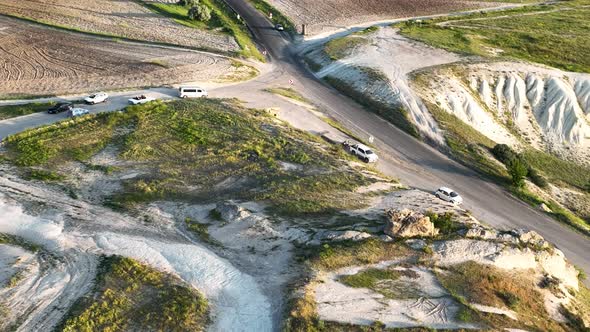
<point x="325" y="16"/>
<point x="127" y="19"/>
<point x="39" y="61"/>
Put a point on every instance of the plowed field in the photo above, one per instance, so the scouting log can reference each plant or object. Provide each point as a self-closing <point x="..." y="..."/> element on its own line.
<point x="35" y="60"/>
<point x="123" y="18"/>
<point x="327" y="15"/>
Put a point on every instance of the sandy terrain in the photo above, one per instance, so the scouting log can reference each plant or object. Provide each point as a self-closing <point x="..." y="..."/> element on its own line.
<point x="118" y="18"/>
<point x="76" y="233"/>
<point x="39" y="61"/>
<point x="325" y="16"/>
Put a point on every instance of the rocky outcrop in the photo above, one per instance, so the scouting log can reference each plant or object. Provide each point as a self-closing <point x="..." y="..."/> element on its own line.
<point x="517" y="237"/>
<point x="230" y="211"/>
<point x="407" y="223"/>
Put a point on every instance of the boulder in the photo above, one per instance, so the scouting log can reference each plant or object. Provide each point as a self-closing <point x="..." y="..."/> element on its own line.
<point x="480" y="232"/>
<point x="530" y="237"/>
<point x="231" y="211"/>
<point x="345" y="235"/>
<point x="416" y="244"/>
<point x="407" y="223"/>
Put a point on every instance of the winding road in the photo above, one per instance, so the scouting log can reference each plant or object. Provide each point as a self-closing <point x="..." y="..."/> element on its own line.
<point x="412" y="161"/>
<point x="402" y="156"/>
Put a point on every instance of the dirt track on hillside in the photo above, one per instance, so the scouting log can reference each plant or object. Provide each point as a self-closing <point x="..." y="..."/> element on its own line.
<point x="38" y="61"/>
<point x="124" y="18"/>
<point x="328" y="15"/>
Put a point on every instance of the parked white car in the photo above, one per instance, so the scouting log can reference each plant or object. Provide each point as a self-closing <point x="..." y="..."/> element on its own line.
<point x="74" y="112"/>
<point x="96" y="98"/>
<point x="191" y="92"/>
<point x="141" y="100"/>
<point x="449" y="195"/>
<point x="363" y="152"/>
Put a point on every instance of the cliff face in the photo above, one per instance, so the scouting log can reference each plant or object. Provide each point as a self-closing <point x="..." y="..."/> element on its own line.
<point x="517" y="104"/>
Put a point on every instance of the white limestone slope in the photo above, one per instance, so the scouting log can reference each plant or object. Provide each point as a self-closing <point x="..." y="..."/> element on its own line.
<point x="395" y="57"/>
<point x="546" y="108"/>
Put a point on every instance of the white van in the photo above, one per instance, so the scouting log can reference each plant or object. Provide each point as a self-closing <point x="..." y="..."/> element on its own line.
<point x="191" y="92"/>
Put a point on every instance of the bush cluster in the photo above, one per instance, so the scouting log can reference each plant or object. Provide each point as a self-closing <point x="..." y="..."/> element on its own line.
<point x="518" y="167"/>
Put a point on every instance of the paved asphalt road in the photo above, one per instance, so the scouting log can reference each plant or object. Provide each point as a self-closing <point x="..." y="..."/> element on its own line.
<point x="402" y="156"/>
<point x="412" y="161"/>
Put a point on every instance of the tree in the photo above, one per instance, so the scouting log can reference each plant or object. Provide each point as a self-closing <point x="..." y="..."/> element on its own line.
<point x="200" y="12"/>
<point x="518" y="170"/>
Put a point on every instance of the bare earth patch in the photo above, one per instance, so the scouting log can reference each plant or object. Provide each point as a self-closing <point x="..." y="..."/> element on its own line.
<point x="329" y="15"/>
<point x="118" y="18"/>
<point x="36" y="60"/>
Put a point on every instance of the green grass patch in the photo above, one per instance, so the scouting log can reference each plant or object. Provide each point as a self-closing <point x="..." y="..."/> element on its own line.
<point x="12" y="111"/>
<point x="369" y="278"/>
<point x="330" y="257"/>
<point x="132" y="296"/>
<point x="200" y="230"/>
<point x="15" y="279"/>
<point x="289" y="93"/>
<point x="222" y="19"/>
<point x="18" y="241"/>
<point x="42" y="175"/>
<point x="179" y="14"/>
<point x="228" y="19"/>
<point x="340" y="48"/>
<point x="277" y="16"/>
<point x="188" y="144"/>
<point x="558" y="170"/>
<point x="532" y="33"/>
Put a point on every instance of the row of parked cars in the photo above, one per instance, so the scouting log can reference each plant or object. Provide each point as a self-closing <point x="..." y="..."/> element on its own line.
<point x="102" y="97"/>
<point x="73" y="111"/>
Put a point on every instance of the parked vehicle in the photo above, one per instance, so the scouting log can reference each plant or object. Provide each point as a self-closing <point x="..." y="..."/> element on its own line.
<point x="449" y="195"/>
<point x="96" y="98"/>
<point x="141" y="100"/>
<point x="362" y="151"/>
<point x="191" y="92"/>
<point x="279" y="27"/>
<point x="60" y="107"/>
<point x="74" y="112"/>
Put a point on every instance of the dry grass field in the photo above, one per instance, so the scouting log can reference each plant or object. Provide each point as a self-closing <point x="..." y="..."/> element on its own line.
<point x="35" y="60"/>
<point x="123" y="18"/>
<point x="328" y="15"/>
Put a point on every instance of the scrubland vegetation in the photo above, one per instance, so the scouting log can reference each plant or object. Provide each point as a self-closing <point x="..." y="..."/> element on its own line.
<point x="200" y="144"/>
<point x="131" y="296"/>
<point x="482" y="284"/>
<point x="556" y="35"/>
<point x="11" y="111"/>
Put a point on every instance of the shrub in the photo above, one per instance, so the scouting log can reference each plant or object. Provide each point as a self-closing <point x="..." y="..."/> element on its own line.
<point x="537" y="178"/>
<point x="510" y="299"/>
<point x="464" y="315"/>
<point x="518" y="170"/>
<point x="444" y="222"/>
<point x="200" y="12"/>
<point x="504" y="153"/>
